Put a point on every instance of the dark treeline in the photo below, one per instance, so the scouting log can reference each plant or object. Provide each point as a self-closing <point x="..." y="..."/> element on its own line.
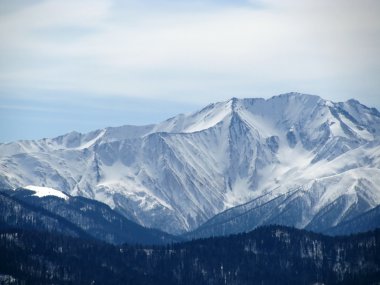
<point x="267" y="255"/>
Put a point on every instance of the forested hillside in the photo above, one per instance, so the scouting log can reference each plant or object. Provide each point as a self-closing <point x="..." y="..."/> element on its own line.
<point x="267" y="255"/>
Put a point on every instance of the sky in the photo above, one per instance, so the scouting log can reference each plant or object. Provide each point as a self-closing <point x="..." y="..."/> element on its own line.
<point x="82" y="65"/>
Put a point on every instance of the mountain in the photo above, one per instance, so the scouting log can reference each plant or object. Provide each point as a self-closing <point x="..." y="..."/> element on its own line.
<point x="50" y="210"/>
<point x="293" y="159"/>
<point x="361" y="223"/>
<point x="291" y="209"/>
<point x="267" y="255"/>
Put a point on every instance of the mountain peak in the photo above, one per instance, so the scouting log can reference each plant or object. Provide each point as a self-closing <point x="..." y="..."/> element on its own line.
<point x="177" y="174"/>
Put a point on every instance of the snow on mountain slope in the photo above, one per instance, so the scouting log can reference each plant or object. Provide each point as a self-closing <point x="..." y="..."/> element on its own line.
<point x="178" y="174"/>
<point x="318" y="205"/>
<point x="46" y="191"/>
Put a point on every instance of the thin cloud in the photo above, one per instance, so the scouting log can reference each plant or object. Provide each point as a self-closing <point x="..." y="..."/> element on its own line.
<point x="202" y="51"/>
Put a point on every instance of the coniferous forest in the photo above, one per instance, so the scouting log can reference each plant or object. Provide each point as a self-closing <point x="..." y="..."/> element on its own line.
<point x="267" y="255"/>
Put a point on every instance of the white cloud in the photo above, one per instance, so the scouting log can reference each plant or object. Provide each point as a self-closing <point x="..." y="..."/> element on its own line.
<point x="212" y="52"/>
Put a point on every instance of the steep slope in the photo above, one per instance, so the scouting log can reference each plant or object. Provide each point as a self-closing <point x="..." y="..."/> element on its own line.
<point x="78" y="216"/>
<point x="361" y="223"/>
<point x="178" y="174"/>
<point x="334" y="193"/>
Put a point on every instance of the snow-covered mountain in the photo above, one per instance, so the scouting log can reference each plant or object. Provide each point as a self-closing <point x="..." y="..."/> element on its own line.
<point x="178" y="174"/>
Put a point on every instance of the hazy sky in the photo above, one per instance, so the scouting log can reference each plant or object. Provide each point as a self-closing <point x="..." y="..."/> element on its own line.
<point x="81" y="65"/>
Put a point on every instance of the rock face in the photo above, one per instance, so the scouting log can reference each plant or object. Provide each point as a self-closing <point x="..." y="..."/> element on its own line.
<point x="295" y="159"/>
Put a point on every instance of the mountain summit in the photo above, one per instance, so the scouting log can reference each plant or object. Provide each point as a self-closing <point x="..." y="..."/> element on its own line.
<point x="318" y="159"/>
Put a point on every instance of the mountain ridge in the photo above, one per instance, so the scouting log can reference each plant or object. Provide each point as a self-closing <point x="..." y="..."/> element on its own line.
<point x="73" y="216"/>
<point x="178" y="174"/>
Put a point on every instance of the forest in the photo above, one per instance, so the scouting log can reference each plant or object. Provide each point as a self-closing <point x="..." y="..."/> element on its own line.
<point x="267" y="255"/>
